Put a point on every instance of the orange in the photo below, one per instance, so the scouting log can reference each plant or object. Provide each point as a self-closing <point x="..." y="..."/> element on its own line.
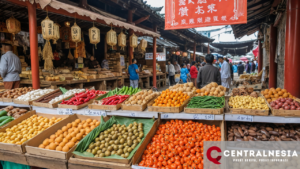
<point x="65" y="149"/>
<point x="58" y="148"/>
<point x="46" y="142"/>
<point x="53" y="136"/>
<point x="41" y="146"/>
<point x="52" y="146"/>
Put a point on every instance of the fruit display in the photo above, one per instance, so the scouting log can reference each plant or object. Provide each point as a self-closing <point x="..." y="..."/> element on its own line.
<point x="112" y="100"/>
<point x="66" y="95"/>
<point x="13" y="112"/>
<point x="69" y="135"/>
<point x="285" y="104"/>
<point x="35" y="94"/>
<point x="273" y="94"/>
<point x="142" y="97"/>
<point x="119" y="140"/>
<point x="248" y="102"/>
<point x="207" y="102"/>
<point x="179" y="144"/>
<point x="15" y="93"/>
<point x="171" y="98"/>
<point x="123" y="91"/>
<point x="212" y="89"/>
<point x="262" y="132"/>
<point x="186" y="87"/>
<point x="80" y="98"/>
<point x="27" y="129"/>
<point x="243" y="91"/>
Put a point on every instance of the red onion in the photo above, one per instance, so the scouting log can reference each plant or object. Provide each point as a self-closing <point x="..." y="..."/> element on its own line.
<point x="298" y="108"/>
<point x="276" y="107"/>
<point x="280" y="104"/>
<point x="286" y="107"/>
<point x="293" y="108"/>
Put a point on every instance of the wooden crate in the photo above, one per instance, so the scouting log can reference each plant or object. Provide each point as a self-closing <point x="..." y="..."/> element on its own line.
<point x="19" y="158"/>
<point x="7" y="100"/>
<point x="203" y="111"/>
<point x="284" y="113"/>
<point x="74" y="107"/>
<point x="167" y="109"/>
<point x="253" y="112"/>
<point x="46" y="162"/>
<point x="77" y="163"/>
<point x="30" y="102"/>
<point x="106" y="107"/>
<point x="134" y="107"/>
<point x="48" y="105"/>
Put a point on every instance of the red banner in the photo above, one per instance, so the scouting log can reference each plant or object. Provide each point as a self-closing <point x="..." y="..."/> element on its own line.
<point x="183" y="14"/>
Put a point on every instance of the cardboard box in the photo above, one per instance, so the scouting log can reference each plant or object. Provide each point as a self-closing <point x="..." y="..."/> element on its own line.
<point x="21" y="148"/>
<point x="32" y="145"/>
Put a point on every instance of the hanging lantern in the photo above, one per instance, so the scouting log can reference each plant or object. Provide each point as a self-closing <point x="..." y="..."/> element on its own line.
<point x="94" y="34"/>
<point x="143" y="44"/>
<point x="47" y="28"/>
<point x="76" y="33"/>
<point x="111" y="38"/>
<point x="177" y="53"/>
<point x="56" y="33"/>
<point x="13" y="26"/>
<point x="184" y="54"/>
<point x="133" y="41"/>
<point x="122" y="40"/>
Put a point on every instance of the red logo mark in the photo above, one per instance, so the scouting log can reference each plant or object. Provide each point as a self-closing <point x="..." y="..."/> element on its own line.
<point x="209" y="157"/>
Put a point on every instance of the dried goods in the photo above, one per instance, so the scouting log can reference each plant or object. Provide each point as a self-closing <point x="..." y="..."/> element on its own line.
<point x="212" y="89"/>
<point x="141" y="97"/>
<point x="243" y="91"/>
<point x="35" y="94"/>
<point x="273" y="94"/>
<point x="50" y="96"/>
<point x="15" y="93"/>
<point x="285" y="104"/>
<point x="248" y="102"/>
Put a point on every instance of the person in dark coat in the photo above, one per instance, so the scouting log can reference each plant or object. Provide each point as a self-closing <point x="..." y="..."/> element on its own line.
<point x="241" y="68"/>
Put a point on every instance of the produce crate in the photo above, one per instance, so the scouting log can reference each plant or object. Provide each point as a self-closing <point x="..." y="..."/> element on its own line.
<point x="253" y="112"/>
<point x="136" y="107"/>
<point x="30" y="102"/>
<point x="27" y="108"/>
<point x="32" y="145"/>
<point x="106" y="107"/>
<point x="203" y="111"/>
<point x="167" y="109"/>
<point x="74" y="107"/>
<point x="90" y="162"/>
<point x="284" y="113"/>
<point x="7" y="100"/>
<point x="46" y="162"/>
<point x="152" y="132"/>
<point x="21" y="148"/>
<point x="49" y="105"/>
<point x="13" y="157"/>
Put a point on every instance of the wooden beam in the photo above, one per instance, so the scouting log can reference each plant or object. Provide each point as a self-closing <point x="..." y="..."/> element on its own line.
<point x="142" y="19"/>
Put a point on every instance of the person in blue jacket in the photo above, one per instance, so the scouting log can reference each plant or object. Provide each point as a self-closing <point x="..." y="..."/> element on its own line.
<point x="235" y="68"/>
<point x="184" y="72"/>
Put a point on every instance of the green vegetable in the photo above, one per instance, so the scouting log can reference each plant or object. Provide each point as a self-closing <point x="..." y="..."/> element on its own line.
<point x="3" y="113"/>
<point x="6" y="121"/>
<point x="4" y="118"/>
<point x="208" y="102"/>
<point x="63" y="90"/>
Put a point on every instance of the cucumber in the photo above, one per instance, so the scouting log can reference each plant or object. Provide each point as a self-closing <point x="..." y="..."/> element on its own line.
<point x="3" y="113"/>
<point x="4" y="118"/>
<point x="6" y="121"/>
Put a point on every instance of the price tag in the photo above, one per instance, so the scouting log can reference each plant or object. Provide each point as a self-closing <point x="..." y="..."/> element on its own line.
<point x="203" y="117"/>
<point x="65" y="111"/>
<point x="165" y="116"/>
<point x="245" y="118"/>
<point x="95" y="112"/>
<point x="132" y="114"/>
<point x="139" y="167"/>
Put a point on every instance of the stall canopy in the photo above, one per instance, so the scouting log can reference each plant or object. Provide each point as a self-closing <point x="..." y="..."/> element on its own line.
<point x="244" y="59"/>
<point x="159" y="41"/>
<point x="235" y="48"/>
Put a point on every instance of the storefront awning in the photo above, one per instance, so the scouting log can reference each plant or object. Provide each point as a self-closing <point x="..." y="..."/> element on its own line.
<point x="92" y="15"/>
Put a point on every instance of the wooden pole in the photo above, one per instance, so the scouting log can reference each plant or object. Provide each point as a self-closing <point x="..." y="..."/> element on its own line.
<point x="195" y="51"/>
<point x="154" y="57"/>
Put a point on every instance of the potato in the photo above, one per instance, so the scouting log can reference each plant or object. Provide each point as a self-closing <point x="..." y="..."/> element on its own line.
<point x="10" y="107"/>
<point x="22" y="110"/>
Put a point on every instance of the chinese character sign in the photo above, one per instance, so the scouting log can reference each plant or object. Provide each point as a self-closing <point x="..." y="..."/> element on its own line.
<point x="183" y="14"/>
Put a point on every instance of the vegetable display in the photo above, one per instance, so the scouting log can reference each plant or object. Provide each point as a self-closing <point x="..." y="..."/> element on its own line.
<point x="15" y="93"/>
<point x="69" y="135"/>
<point x="208" y="102"/>
<point x="179" y="144"/>
<point x="141" y="97"/>
<point x="112" y="100"/>
<point x="49" y="96"/>
<point x="35" y="94"/>
<point x="66" y="95"/>
<point x="13" y="112"/>
<point x="248" y="102"/>
<point x="285" y="104"/>
<point x="187" y="87"/>
<point x="212" y="89"/>
<point x="243" y="91"/>
<point x="118" y="139"/>
<point x="27" y="129"/>
<point x="170" y="99"/>
<point x="274" y="94"/>
<point x="80" y="98"/>
<point x="123" y="91"/>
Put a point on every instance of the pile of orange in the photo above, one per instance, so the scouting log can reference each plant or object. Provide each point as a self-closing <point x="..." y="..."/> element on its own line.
<point x="170" y="99"/>
<point x="179" y="144"/>
<point x="69" y="135"/>
<point x="273" y="94"/>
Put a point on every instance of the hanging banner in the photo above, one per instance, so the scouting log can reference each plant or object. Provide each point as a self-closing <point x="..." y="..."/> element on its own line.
<point x="159" y="56"/>
<point x="183" y="14"/>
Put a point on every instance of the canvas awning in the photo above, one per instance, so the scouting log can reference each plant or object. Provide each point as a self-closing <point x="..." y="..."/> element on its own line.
<point x="92" y="15"/>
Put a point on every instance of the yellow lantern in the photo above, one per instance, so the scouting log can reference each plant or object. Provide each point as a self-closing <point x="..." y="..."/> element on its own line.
<point x="143" y="44"/>
<point x="47" y="29"/>
<point x="111" y="38"/>
<point x="13" y="26"/>
<point x="133" y="41"/>
<point x="94" y="34"/>
<point x="184" y="54"/>
<point x="76" y="33"/>
<point x="56" y="33"/>
<point x="122" y="40"/>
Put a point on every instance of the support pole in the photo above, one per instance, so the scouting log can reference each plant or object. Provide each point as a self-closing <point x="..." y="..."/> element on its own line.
<point x="208" y="48"/>
<point x="260" y="56"/>
<point x="33" y="45"/>
<point x="195" y="51"/>
<point x="273" y="65"/>
<point x="154" y="57"/>
<point x="292" y="49"/>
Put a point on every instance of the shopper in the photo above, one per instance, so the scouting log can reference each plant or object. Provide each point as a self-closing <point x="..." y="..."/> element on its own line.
<point x="194" y="73"/>
<point x="240" y="68"/>
<point x="188" y="66"/>
<point x="184" y="72"/>
<point x="171" y="73"/>
<point x="208" y="73"/>
<point x="93" y="63"/>
<point x="133" y="70"/>
<point x="225" y="73"/>
<point x="177" y="67"/>
<point x="253" y="67"/>
<point x="248" y="67"/>
<point x="235" y="68"/>
<point x="104" y="64"/>
<point x="10" y="68"/>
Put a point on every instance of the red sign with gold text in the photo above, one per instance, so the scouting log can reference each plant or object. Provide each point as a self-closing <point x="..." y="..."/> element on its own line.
<point x="183" y="14"/>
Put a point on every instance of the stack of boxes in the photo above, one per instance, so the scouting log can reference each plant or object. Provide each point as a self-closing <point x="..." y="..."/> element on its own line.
<point x="116" y="63"/>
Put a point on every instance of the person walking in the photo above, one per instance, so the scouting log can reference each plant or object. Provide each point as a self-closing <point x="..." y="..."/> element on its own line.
<point x="208" y="73"/>
<point x="10" y="68"/>
<point x="171" y="73"/>
<point x="194" y="73"/>
<point x="177" y="67"/>
<point x="253" y="67"/>
<point x="240" y="68"/>
<point x="225" y="73"/>
<point x="248" y="67"/>
<point x="188" y="66"/>
<point x="133" y="70"/>
<point x="235" y="68"/>
<point x="184" y="72"/>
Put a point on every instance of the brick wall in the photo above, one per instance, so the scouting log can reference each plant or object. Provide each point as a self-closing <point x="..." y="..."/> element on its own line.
<point x="280" y="51"/>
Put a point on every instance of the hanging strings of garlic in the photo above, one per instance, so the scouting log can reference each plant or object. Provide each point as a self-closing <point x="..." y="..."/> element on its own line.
<point x="48" y="56"/>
